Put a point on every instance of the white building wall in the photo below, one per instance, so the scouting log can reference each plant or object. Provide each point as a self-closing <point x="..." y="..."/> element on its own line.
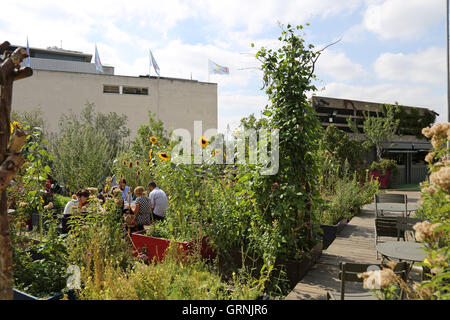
<point x="177" y="102"/>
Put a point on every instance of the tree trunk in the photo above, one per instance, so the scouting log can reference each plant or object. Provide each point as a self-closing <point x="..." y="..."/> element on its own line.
<point x="10" y="161"/>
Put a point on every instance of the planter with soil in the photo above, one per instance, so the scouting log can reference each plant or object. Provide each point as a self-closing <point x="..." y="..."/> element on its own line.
<point x="331" y="231"/>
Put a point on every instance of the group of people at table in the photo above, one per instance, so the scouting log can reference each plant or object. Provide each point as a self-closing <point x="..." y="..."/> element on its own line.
<point x="143" y="209"/>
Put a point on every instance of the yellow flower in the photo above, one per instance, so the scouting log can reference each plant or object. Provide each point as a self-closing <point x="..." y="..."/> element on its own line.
<point x="12" y="127"/>
<point x="15" y="123"/>
<point x="150" y="153"/>
<point x="150" y="163"/>
<point x="153" y="139"/>
<point x="164" y="156"/>
<point x="203" y="141"/>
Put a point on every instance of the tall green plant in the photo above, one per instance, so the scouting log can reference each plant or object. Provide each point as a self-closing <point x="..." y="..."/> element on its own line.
<point x="81" y="156"/>
<point x="288" y="74"/>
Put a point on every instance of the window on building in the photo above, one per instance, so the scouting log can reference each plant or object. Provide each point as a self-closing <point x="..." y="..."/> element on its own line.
<point x="135" y="90"/>
<point x="111" y="89"/>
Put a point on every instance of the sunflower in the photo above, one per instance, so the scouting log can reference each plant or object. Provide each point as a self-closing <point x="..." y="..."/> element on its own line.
<point x="203" y="141"/>
<point x="164" y="156"/>
<point x="150" y="163"/>
<point x="12" y="127"/>
<point x="15" y="123"/>
<point x="150" y="153"/>
<point x="124" y="163"/>
<point x="153" y="139"/>
<point x="130" y="165"/>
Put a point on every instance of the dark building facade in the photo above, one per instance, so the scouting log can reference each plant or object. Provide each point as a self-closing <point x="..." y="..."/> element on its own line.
<point x="409" y="148"/>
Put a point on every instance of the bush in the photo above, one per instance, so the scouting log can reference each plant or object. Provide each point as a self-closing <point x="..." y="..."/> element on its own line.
<point x="177" y="277"/>
<point x="384" y="165"/>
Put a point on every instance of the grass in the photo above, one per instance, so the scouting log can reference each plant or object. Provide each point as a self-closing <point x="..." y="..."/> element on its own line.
<point x="405" y="187"/>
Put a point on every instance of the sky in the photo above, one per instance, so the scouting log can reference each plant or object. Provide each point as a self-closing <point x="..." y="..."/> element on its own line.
<point x="390" y="50"/>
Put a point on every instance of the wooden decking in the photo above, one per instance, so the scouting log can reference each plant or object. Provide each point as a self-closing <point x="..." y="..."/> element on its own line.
<point x="355" y="243"/>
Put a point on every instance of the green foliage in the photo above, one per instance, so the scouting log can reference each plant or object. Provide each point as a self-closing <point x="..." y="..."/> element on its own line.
<point x="178" y="277"/>
<point x="44" y="277"/>
<point x="142" y="144"/>
<point x="349" y="195"/>
<point x="287" y="75"/>
<point x="33" y="118"/>
<point x="380" y="129"/>
<point x="384" y="165"/>
<point x="85" y="148"/>
<point x="412" y="121"/>
<point x="60" y="202"/>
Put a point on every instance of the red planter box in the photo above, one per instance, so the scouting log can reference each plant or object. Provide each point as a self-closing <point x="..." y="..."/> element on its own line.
<point x="156" y="247"/>
<point x="375" y="174"/>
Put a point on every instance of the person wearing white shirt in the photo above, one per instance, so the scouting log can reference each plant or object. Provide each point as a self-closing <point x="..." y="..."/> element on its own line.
<point x="158" y="200"/>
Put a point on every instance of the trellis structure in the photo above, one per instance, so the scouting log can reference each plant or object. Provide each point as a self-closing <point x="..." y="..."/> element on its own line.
<point x="10" y="160"/>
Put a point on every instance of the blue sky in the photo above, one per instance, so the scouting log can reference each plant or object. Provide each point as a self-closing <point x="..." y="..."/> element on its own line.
<point x="391" y="50"/>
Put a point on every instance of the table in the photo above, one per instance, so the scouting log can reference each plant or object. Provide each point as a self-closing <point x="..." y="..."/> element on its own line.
<point x="403" y="250"/>
<point x="395" y="207"/>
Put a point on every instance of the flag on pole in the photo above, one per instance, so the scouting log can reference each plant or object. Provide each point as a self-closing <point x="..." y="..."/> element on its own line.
<point x="215" y="68"/>
<point x="98" y="63"/>
<point x="29" y="57"/>
<point x="153" y="63"/>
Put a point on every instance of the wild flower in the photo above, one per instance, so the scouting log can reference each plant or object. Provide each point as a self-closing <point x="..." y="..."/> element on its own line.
<point x="49" y="206"/>
<point x="164" y="156"/>
<point x="425" y="231"/>
<point x="378" y="279"/>
<point x="153" y="139"/>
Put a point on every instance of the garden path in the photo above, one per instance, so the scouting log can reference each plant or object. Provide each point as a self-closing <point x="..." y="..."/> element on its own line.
<point x="355" y="243"/>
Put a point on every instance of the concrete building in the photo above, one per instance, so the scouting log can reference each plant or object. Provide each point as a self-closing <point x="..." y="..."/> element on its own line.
<point x="66" y="80"/>
<point x="408" y="149"/>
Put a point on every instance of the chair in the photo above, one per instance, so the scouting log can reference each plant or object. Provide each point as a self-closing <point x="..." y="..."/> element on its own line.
<point x="390" y="198"/>
<point x="405" y="224"/>
<point x="349" y="273"/>
<point x="387" y="227"/>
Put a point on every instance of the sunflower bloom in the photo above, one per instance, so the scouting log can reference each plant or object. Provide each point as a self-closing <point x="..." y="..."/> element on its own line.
<point x="203" y="141"/>
<point x="164" y="156"/>
<point x="150" y="163"/>
<point x="130" y="165"/>
<point x="150" y="153"/>
<point x="15" y="123"/>
<point x="124" y="163"/>
<point x="153" y="139"/>
<point x="12" y="127"/>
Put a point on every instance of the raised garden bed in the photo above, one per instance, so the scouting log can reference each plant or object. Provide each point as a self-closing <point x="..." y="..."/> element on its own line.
<point x="295" y="269"/>
<point x="330" y="232"/>
<point x="19" y="295"/>
<point x="155" y="248"/>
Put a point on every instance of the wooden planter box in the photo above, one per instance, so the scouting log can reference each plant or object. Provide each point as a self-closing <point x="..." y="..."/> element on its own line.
<point x="330" y="232"/>
<point x="295" y="269"/>
<point x="19" y="295"/>
<point x="155" y="248"/>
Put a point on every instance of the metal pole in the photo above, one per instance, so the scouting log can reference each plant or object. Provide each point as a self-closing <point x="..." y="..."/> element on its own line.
<point x="448" y="68"/>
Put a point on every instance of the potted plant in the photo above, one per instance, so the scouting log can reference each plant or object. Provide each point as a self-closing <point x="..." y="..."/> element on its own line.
<point x="382" y="171"/>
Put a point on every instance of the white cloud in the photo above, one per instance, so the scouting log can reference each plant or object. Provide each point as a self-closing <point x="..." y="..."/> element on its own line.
<point x="399" y="19"/>
<point x="339" y="66"/>
<point x="424" y="67"/>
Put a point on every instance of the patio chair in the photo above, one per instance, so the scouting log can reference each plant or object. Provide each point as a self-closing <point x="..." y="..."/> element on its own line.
<point x="389" y="198"/>
<point x="387" y="227"/>
<point x="349" y="273"/>
<point x="406" y="225"/>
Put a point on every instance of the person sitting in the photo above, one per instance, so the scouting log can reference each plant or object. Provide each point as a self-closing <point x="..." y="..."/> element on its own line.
<point x="79" y="202"/>
<point x="158" y="200"/>
<point x="141" y="209"/>
<point x="126" y="194"/>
